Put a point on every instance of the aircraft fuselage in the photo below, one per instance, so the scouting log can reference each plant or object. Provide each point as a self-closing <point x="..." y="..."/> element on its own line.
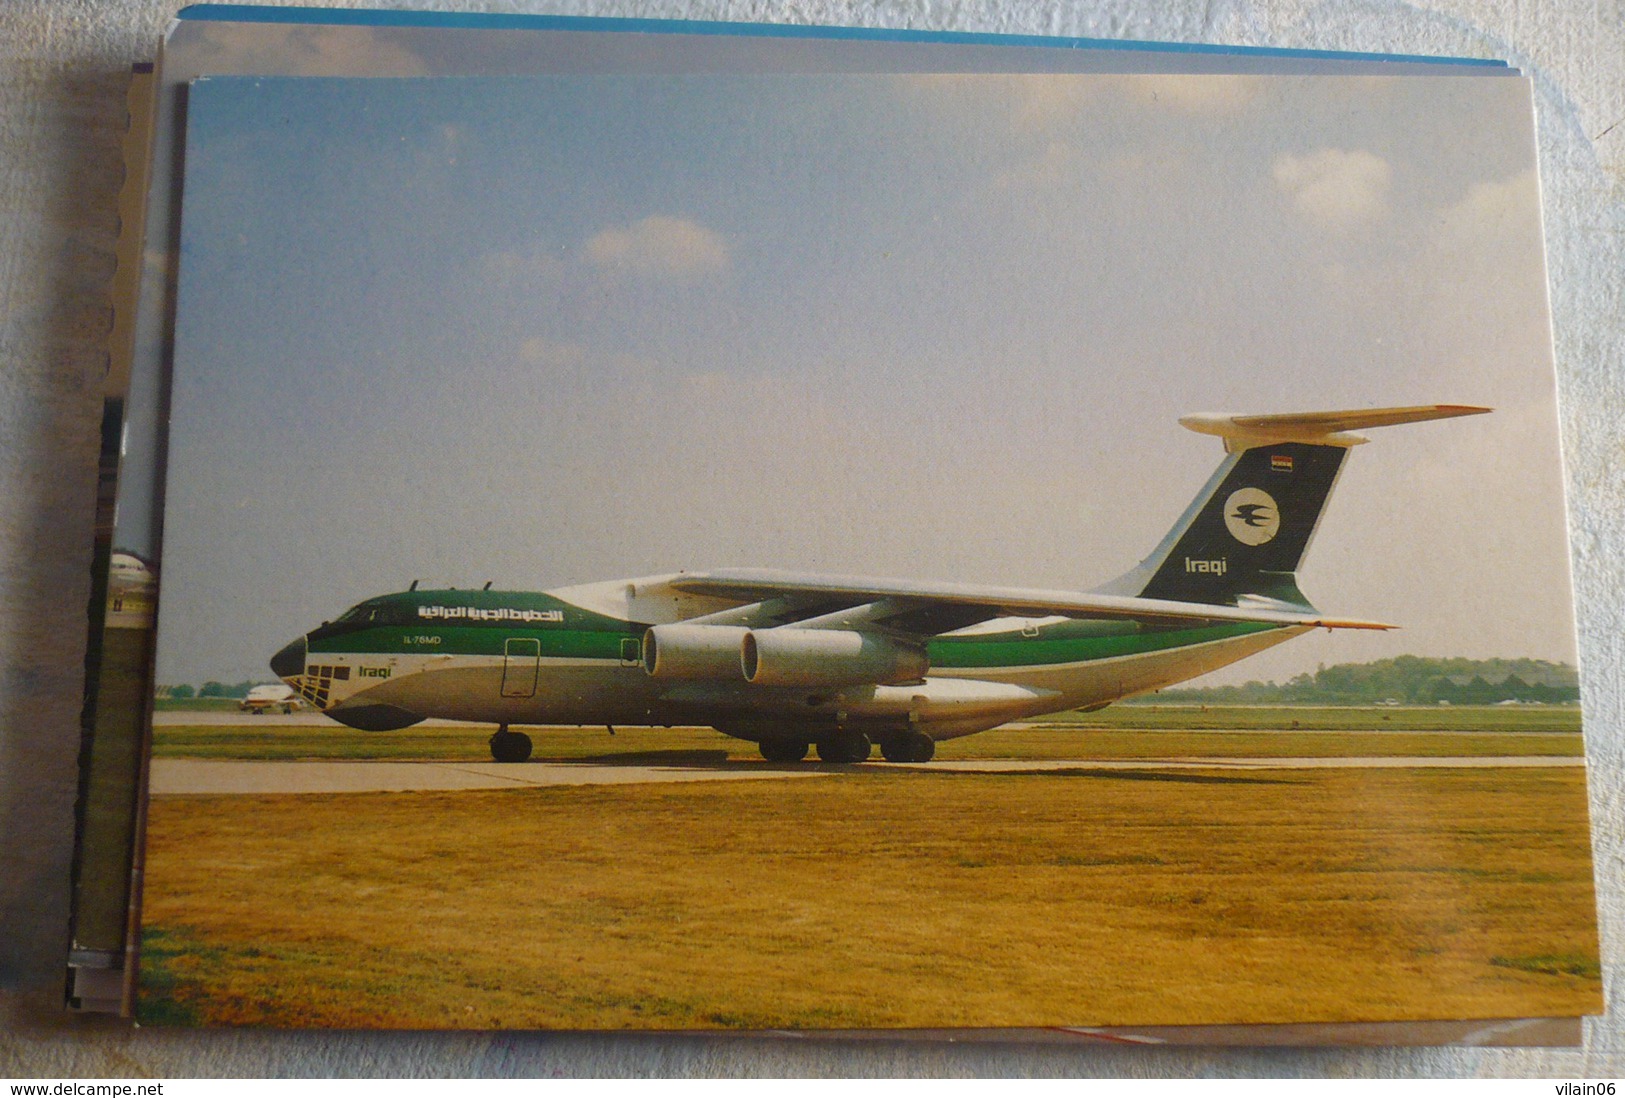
<point x="524" y="658"/>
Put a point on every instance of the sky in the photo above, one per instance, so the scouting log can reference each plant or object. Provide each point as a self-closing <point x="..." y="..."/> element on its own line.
<point x="550" y="330"/>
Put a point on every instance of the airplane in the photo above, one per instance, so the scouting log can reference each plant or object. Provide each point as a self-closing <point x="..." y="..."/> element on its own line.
<point x="262" y="699"/>
<point x="838" y="663"/>
<point x="132" y="590"/>
<point x="127" y="572"/>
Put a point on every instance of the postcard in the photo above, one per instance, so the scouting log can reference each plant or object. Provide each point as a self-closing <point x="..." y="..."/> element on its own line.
<point x="730" y="546"/>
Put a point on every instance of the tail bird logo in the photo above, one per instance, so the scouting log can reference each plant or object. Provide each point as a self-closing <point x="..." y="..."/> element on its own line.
<point x="1251" y="516"/>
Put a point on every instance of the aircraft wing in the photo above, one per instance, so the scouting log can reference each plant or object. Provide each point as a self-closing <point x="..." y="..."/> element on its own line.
<point x="953" y="605"/>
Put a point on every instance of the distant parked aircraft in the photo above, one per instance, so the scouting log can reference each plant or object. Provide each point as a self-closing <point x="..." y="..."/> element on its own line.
<point x="262" y="699"/>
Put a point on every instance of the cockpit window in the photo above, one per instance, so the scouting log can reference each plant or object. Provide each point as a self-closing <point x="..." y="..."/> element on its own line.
<point x="378" y="613"/>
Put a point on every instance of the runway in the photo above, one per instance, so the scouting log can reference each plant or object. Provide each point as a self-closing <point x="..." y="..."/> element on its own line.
<point x="174" y="777"/>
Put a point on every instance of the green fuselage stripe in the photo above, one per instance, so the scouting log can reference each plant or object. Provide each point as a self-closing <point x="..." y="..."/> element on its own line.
<point x="1071" y="644"/>
<point x="479" y="640"/>
<point x="1068" y="642"/>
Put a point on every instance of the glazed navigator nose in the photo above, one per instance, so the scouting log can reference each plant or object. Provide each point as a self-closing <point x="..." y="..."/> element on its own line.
<point x="290" y="660"/>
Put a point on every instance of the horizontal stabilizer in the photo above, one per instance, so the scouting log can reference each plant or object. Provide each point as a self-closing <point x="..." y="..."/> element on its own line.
<point x="1316" y="428"/>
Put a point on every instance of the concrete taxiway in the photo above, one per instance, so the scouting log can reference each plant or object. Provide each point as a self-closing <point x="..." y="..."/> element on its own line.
<point x="210" y="776"/>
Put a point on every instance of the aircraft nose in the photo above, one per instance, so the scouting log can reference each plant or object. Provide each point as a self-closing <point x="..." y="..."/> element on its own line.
<point x="290" y="660"/>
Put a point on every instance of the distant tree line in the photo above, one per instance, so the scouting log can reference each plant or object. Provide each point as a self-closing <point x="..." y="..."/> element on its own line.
<point x="210" y="689"/>
<point x="1410" y="680"/>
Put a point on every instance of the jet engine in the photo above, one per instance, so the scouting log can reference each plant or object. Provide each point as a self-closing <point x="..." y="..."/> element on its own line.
<point x="681" y="651"/>
<point x="827" y="657"/>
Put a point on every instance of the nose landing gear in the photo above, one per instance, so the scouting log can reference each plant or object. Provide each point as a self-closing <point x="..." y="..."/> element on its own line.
<point x="509" y="747"/>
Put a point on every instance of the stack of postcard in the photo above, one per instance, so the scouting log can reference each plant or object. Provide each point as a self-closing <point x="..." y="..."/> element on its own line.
<point x="686" y="527"/>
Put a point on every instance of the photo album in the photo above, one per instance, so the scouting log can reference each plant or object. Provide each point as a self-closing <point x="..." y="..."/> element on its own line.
<point x="633" y="525"/>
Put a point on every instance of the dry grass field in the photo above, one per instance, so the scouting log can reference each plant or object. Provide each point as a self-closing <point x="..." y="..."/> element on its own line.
<point x="880" y="898"/>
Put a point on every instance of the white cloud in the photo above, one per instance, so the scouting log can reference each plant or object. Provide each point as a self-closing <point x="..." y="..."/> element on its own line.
<point x="1194" y="94"/>
<point x="551" y="355"/>
<point x="569" y="363"/>
<point x="1060" y="163"/>
<point x="1042" y="103"/>
<point x="1038" y="103"/>
<point x="1025" y="103"/>
<point x="304" y="51"/>
<point x="670" y="247"/>
<point x="1336" y="188"/>
<point x="534" y="269"/>
<point x="1491" y="212"/>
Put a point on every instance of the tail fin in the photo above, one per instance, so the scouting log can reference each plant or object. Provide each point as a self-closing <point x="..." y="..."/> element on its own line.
<point x="1246" y="532"/>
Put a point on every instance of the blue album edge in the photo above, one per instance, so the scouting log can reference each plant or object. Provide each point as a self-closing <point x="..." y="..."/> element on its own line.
<point x="248" y="13"/>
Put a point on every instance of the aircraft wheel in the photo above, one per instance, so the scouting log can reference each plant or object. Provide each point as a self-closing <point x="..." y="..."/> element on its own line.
<point x="784" y="751"/>
<point x="510" y="747"/>
<point x="844" y="747"/>
<point x="908" y="747"/>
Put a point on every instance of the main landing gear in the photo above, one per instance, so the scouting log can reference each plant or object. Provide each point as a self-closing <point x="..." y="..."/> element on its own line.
<point x="908" y="747"/>
<point x="783" y="751"/>
<point x="844" y="747"/>
<point x="509" y="747"/>
<point x="852" y="747"/>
